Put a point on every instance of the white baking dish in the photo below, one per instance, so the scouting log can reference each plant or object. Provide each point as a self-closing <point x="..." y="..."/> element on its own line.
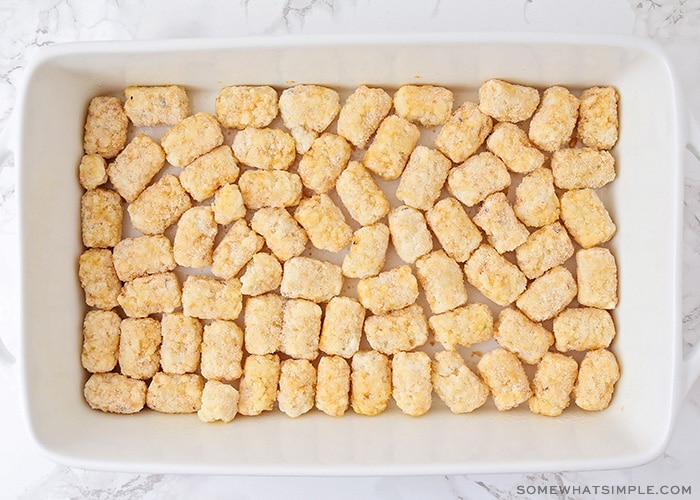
<point x="645" y="201"/>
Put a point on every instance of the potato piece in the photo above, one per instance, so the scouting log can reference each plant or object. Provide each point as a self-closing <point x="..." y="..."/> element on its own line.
<point x="333" y="385"/>
<point x="463" y="133"/>
<point x="228" y="204"/>
<point x="262" y="318"/>
<point x="393" y="143"/>
<point x="411" y="384"/>
<point x="478" y="177"/>
<point x="554" y="380"/>
<point x="308" y="110"/>
<point x="585" y="217"/>
<point x="396" y="331"/>
<point x="159" y="206"/>
<point x="504" y="374"/>
<point x="301" y="329"/>
<point x="465" y="326"/>
<point x="235" y="250"/>
<point x="263" y="273"/>
<point x="142" y="255"/>
<point x="115" y="393"/>
<point x="423" y="178"/>
<point x="241" y="106"/>
<point x="409" y="233"/>
<point x="258" y="387"/>
<point x="548" y="295"/>
<point x="311" y="279"/>
<point x="598" y="124"/>
<point x="503" y="229"/>
<point x="190" y="138"/>
<point x="442" y="281"/>
<point x="174" y="393"/>
<point x="182" y="341"/>
<point x="426" y="105"/>
<point x="511" y="144"/>
<point x="596" y="277"/>
<point x="154" y="293"/>
<point x="98" y="279"/>
<point x="388" y="291"/>
<point x="370" y="382"/>
<point x="265" y="148"/>
<point x="270" y="188"/>
<point x="148" y="106"/>
<point x="283" y="235"/>
<point x="548" y="247"/>
<point x="297" y="387"/>
<point x="92" y="171"/>
<point x="323" y="162"/>
<point x="100" y="218"/>
<point x="553" y="123"/>
<point x="139" y="347"/>
<point x="105" y="127"/>
<point x="209" y="172"/>
<point x="536" y="202"/>
<point x="515" y="332"/>
<point x="583" y="329"/>
<point x="219" y="402"/>
<point x="324" y="223"/>
<point x="222" y="351"/>
<point x="360" y="194"/>
<point x="194" y="239"/>
<point x="578" y="168"/>
<point x="458" y="387"/>
<point x="100" y="341"/>
<point x="135" y="166"/>
<point x="204" y="297"/>
<point x="367" y="251"/>
<point x="597" y="375"/>
<point x="342" y="327"/>
<point x="362" y="114"/>
<point x="453" y="228"/>
<point x="494" y="276"/>
<point x="507" y="102"/>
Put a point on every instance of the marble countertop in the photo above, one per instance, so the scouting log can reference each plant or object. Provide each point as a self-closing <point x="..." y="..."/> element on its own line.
<point x="26" y="26"/>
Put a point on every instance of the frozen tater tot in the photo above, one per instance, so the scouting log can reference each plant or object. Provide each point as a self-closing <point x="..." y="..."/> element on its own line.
<point x="478" y="177"/>
<point x="426" y="105"/>
<point x="536" y="201"/>
<point x="258" y="387"/>
<point x="142" y="255"/>
<point x="115" y="393"/>
<point x="307" y="110"/>
<point x="263" y="273"/>
<point x="262" y="319"/>
<point x="241" y="106"/>
<point x="204" y="297"/>
<point x="360" y="194"/>
<point x="139" y="347"/>
<point x="393" y="143"/>
<point x="98" y="279"/>
<point x="585" y="217"/>
<point x="548" y="295"/>
<point x="92" y="171"/>
<point x="333" y="385"/>
<point x="494" y="276"/>
<point x="597" y="375"/>
<point x="154" y="293"/>
<point x="389" y="290"/>
<point x="311" y="279"/>
<point x="105" y="127"/>
<point x="324" y="223"/>
<point x="596" y="277"/>
<point x="456" y="385"/>
<point x="548" y="247"/>
<point x="148" y="106"/>
<point x="370" y="382"/>
<point x="553" y="123"/>
<point x="505" y="376"/>
<point x="411" y="384"/>
<point x="193" y="244"/>
<point x="423" y="178"/>
<point x="175" y="393"/>
<point x="409" y="233"/>
<point x="528" y="340"/>
<point x="341" y="330"/>
<point x="235" y="250"/>
<point x="367" y="251"/>
<point x="583" y="329"/>
<point x="511" y="144"/>
<point x="283" y="235"/>
<point x="507" y="102"/>
<point x="100" y="341"/>
<point x="182" y="342"/>
<point x="598" y="124"/>
<point x="453" y="228"/>
<point x="219" y="402"/>
<point x="270" y="188"/>
<point x="159" y="206"/>
<point x="362" y="114"/>
<point x="135" y="166"/>
<point x="323" y="162"/>
<point x="190" y="138"/>
<point x="265" y="148"/>
<point x="301" y="329"/>
<point x="552" y="385"/>
<point x="297" y="387"/>
<point x="442" y="280"/>
<point x="578" y="168"/>
<point x="396" y="331"/>
<point x="464" y="132"/>
<point x="222" y="351"/>
<point x="465" y="326"/>
<point x="209" y="172"/>
<point x="101" y="218"/>
<point x="503" y="229"/>
<point x="228" y="204"/>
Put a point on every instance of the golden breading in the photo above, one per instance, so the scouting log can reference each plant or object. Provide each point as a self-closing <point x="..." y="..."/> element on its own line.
<point x="311" y="279"/>
<point x="360" y="194"/>
<point x="583" y="329"/>
<point x="135" y="166"/>
<point x="297" y="387"/>
<point x="323" y="162"/>
<point x="142" y="255"/>
<point x="190" y="138"/>
<point x="553" y="123"/>
<point x="105" y="127"/>
<point x="442" y="281"/>
<point x="505" y="376"/>
<point x="159" y="206"/>
<point x="283" y="235"/>
<point x="235" y="250"/>
<point x="155" y="293"/>
<point x="182" y="342"/>
<point x="333" y="385"/>
<point x="511" y="144"/>
<point x="362" y="114"/>
<point x="228" y="204"/>
<point x="423" y="178"/>
<point x="370" y="382"/>
<point x="411" y="384"/>
<point x="175" y="393"/>
<point x="270" y="188"/>
<point x="92" y="171"/>
<point x="578" y="168"/>
<point x="324" y="223"/>
<point x="263" y="273"/>
<point x="426" y="105"/>
<point x="265" y="148"/>
<point x="115" y="393"/>
<point x="139" y="347"/>
<point x="389" y="290"/>
<point x="515" y="332"/>
<point x="464" y="132"/>
<point x="393" y="143"/>
<point x="409" y="233"/>
<point x="301" y="329"/>
<point x="453" y="228"/>
<point x="548" y="247"/>
<point x="222" y="351"/>
<point x="342" y="327"/>
<point x="494" y="276"/>
<point x="456" y="385"/>
<point x="536" y="201"/>
<point x="396" y="331"/>
<point x="548" y="295"/>
<point x="98" y="278"/>
<point x="507" y="102"/>
<point x="193" y="244"/>
<point x="465" y="326"/>
<point x="367" y="251"/>
<point x="478" y="177"/>
<point x="219" y="402"/>
<point x="307" y="110"/>
<point x="598" y="124"/>
<point x="100" y="341"/>
<point x="241" y="106"/>
<point x="258" y="387"/>
<point x="101" y="218"/>
<point x="597" y="375"/>
<point x="204" y="297"/>
<point x="596" y="277"/>
<point x="157" y="105"/>
<point x="503" y="229"/>
<point x="209" y="172"/>
<point x="262" y="318"/>
<point x="552" y="385"/>
<point x="585" y="217"/>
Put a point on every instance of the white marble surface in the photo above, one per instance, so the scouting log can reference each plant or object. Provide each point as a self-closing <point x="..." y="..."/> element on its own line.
<point x="27" y="25"/>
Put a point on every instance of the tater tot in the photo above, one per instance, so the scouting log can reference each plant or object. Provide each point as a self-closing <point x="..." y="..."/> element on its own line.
<point x="360" y="194"/>
<point x="193" y="244"/>
<point x="209" y="172"/>
<point x="105" y="127"/>
<point x="98" y="279"/>
<point x="323" y="162"/>
<point x="503" y="373"/>
<point x="442" y="281"/>
<point x="409" y="233"/>
<point x="341" y="330"/>
<point x="536" y="201"/>
<point x="515" y="332"/>
<point x="393" y="143"/>
<point x="92" y="171"/>
<point x="297" y="387"/>
<point x="478" y="177"/>
<point x="265" y="148"/>
<point x="154" y="293"/>
<point x="411" y="384"/>
<point x="389" y="290"/>
<point x="465" y="326"/>
<point x="370" y="382"/>
<point x="219" y="402"/>
<point x="583" y="328"/>
<point x="175" y="393"/>
<point x="396" y="331"/>
<point x="333" y="385"/>
<point x="463" y="133"/>
<point x="301" y="329"/>
<point x="585" y="217"/>
<point x="235" y="250"/>
<point x="494" y="276"/>
<point x="552" y="385"/>
<point x="426" y="105"/>
<point x="182" y="342"/>
<point x="503" y="229"/>
<point x="101" y="218"/>
<point x="258" y="387"/>
<point x="367" y="251"/>
<point x="148" y="106"/>
<point x="204" y="297"/>
<point x="142" y="255"/>
<point x="597" y="375"/>
<point x="311" y="279"/>
<point x="598" y="122"/>
<point x="324" y="223"/>
<point x="578" y="168"/>
<point x="423" y="178"/>
<point x="190" y="138"/>
<point x="596" y="277"/>
<point x="241" y="106"/>
<point x="453" y="228"/>
<point x="362" y="114"/>
<point x="135" y="166"/>
<point x="263" y="273"/>
<point x="115" y="393"/>
<point x="456" y="385"/>
<point x="270" y="188"/>
<point x="511" y="144"/>
<point x="228" y="204"/>
<point x="262" y="318"/>
<point x="307" y="110"/>
<point x="283" y="235"/>
<point x="548" y="247"/>
<point x="100" y="341"/>
<point x="507" y="102"/>
<point x="553" y="123"/>
<point x="222" y="351"/>
<point x="159" y="206"/>
<point x="548" y="295"/>
<point x="139" y="347"/>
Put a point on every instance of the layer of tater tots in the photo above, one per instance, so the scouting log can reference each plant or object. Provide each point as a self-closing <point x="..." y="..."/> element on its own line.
<point x="92" y="171"/>
<point x="442" y="281"/>
<point x="222" y="351"/>
<point x="297" y="387"/>
<point x="262" y="318"/>
<point x="494" y="276"/>
<point x="101" y="218"/>
<point x="193" y="244"/>
<point x="426" y="105"/>
<point x="362" y="113"/>
<point x="552" y="384"/>
<point x="323" y="162"/>
<point x="148" y="106"/>
<point x="453" y="228"/>
<point x="396" y="331"/>
<point x="263" y="273"/>
<point x="465" y="326"/>
<point x="464" y="132"/>
<point x="154" y="293"/>
<point x="367" y="252"/>
<point x="548" y="295"/>
<point x="456" y="385"/>
<point x="105" y="127"/>
<point x="505" y="376"/>
<point x="597" y="375"/>
<point x="586" y="218"/>
<point x="370" y="382"/>
<point x="409" y="233"/>
<point x="552" y="125"/>
<point x="598" y="125"/>
<point x="175" y="393"/>
<point x="515" y="332"/>
<point x="411" y="384"/>
<point x="511" y="144"/>
<point x="342" y="327"/>
<point x="115" y="393"/>
<point x="333" y="385"/>
<point x="142" y="255"/>
<point x="265" y="148"/>
<point x="209" y="172"/>
<point x="181" y="343"/>
<point x="389" y="290"/>
<point x="270" y="188"/>
<point x="497" y="219"/>
<point x="596" y="277"/>
<point x="583" y="329"/>
<point x="235" y="250"/>
<point x="536" y="201"/>
<point x="391" y="147"/>
<point x="190" y="138"/>
<point x="241" y="106"/>
<point x="98" y="279"/>
<point x="507" y="102"/>
<point x="324" y="223"/>
<point x="301" y="329"/>
<point x="476" y="178"/>
<point x="135" y="166"/>
<point x="548" y="247"/>
<point x="423" y="178"/>
<point x="219" y="402"/>
<point x="360" y="194"/>
<point x="311" y="279"/>
<point x="139" y="347"/>
<point x="159" y="206"/>
<point x="205" y="297"/>
<point x="579" y="168"/>
<point x="100" y="349"/>
<point x="258" y="387"/>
